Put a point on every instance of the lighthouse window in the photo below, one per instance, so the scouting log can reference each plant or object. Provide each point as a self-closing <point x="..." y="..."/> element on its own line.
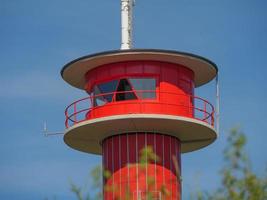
<point x="124" y="91"/>
<point x="98" y="99"/>
<point x="145" y="87"/>
<point x="107" y="89"/>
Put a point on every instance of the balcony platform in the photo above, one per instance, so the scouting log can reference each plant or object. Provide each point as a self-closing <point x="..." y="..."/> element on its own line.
<point x="87" y="135"/>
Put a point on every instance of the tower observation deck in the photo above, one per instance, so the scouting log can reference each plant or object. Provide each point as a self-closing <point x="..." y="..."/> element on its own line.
<point x="140" y="98"/>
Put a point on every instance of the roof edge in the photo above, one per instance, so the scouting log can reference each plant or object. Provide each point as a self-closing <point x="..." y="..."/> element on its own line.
<point x="138" y="50"/>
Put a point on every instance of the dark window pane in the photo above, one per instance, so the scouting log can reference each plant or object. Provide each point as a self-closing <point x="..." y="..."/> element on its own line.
<point x="124" y="85"/>
<point x="98" y="98"/>
<point x="124" y="91"/>
<point x="108" y="86"/>
<point x="147" y="85"/>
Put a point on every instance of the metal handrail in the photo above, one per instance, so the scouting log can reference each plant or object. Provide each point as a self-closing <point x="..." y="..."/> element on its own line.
<point x="207" y="110"/>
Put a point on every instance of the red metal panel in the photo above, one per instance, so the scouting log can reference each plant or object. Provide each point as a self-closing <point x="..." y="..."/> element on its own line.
<point x="179" y="186"/>
<point x="150" y="108"/>
<point x="167" y="163"/>
<point x="159" y="148"/>
<point x="102" y="73"/>
<point x="131" y="107"/>
<point x="141" y="170"/>
<point x="178" y="154"/>
<point x="124" y="160"/>
<point x="173" y="154"/>
<point x="141" y="142"/>
<point x="169" y="73"/>
<point x="151" y="169"/>
<point x="151" y="141"/>
<point x="175" y="160"/>
<point x="110" y="155"/>
<point x="132" y="148"/>
<point x="167" y="160"/>
<point x="185" y="73"/>
<point x="116" y="153"/>
<point x="151" y="67"/>
<point x="118" y="69"/>
<point x="105" y="156"/>
<point x="185" y="86"/>
<point x="134" y="68"/>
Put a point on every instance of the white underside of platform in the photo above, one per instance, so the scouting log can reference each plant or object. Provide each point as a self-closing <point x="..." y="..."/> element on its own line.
<point x="86" y="136"/>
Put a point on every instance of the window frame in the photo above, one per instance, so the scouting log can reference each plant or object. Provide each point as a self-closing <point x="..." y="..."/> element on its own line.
<point x="114" y="99"/>
<point x="133" y="76"/>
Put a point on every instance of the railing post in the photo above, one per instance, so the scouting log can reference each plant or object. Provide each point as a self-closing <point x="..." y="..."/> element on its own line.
<point x="189" y="106"/>
<point x="193" y="105"/>
<point x="67" y="122"/>
<point x="205" y="111"/>
<point x="75" y="111"/>
<point x="67" y="118"/>
<point x="212" y="118"/>
<point x="89" y="106"/>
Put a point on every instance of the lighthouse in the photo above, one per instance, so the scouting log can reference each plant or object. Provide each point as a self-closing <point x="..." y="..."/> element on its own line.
<point x="139" y="99"/>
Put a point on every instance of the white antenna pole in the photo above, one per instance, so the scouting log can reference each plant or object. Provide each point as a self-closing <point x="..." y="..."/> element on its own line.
<point x="126" y="23"/>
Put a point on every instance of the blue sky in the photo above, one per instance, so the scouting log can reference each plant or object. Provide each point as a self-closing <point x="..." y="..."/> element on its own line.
<point x="38" y="37"/>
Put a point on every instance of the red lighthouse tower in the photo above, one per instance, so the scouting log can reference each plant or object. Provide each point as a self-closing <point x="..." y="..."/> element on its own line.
<point x="140" y="98"/>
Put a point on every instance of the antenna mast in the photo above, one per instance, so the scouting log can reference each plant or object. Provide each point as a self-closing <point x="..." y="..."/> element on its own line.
<point x="126" y="23"/>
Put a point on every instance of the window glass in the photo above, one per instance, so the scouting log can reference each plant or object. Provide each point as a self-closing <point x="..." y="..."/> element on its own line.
<point x="108" y="86"/>
<point x="103" y="88"/>
<point x="144" y="84"/>
<point x="123" y="91"/>
<point x="98" y="98"/>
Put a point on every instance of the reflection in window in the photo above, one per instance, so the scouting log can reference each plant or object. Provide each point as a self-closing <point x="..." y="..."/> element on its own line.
<point x="147" y="87"/>
<point x="108" y="86"/>
<point x="123" y="91"/>
<point x="98" y="98"/>
<point x="108" y="89"/>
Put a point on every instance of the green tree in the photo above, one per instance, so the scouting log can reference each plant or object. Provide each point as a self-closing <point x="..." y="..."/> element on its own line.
<point x="81" y="193"/>
<point x="239" y="182"/>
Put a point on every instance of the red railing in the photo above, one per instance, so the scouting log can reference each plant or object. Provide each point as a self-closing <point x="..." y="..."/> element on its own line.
<point x="199" y="108"/>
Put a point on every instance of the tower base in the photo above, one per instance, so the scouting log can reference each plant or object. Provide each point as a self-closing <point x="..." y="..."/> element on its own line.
<point x="142" y="165"/>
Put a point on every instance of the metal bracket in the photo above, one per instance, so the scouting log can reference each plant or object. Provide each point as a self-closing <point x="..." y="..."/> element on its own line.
<point x="47" y="133"/>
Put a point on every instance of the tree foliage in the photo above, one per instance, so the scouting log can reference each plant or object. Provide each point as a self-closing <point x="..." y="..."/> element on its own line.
<point x="238" y="181"/>
<point x="81" y="193"/>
